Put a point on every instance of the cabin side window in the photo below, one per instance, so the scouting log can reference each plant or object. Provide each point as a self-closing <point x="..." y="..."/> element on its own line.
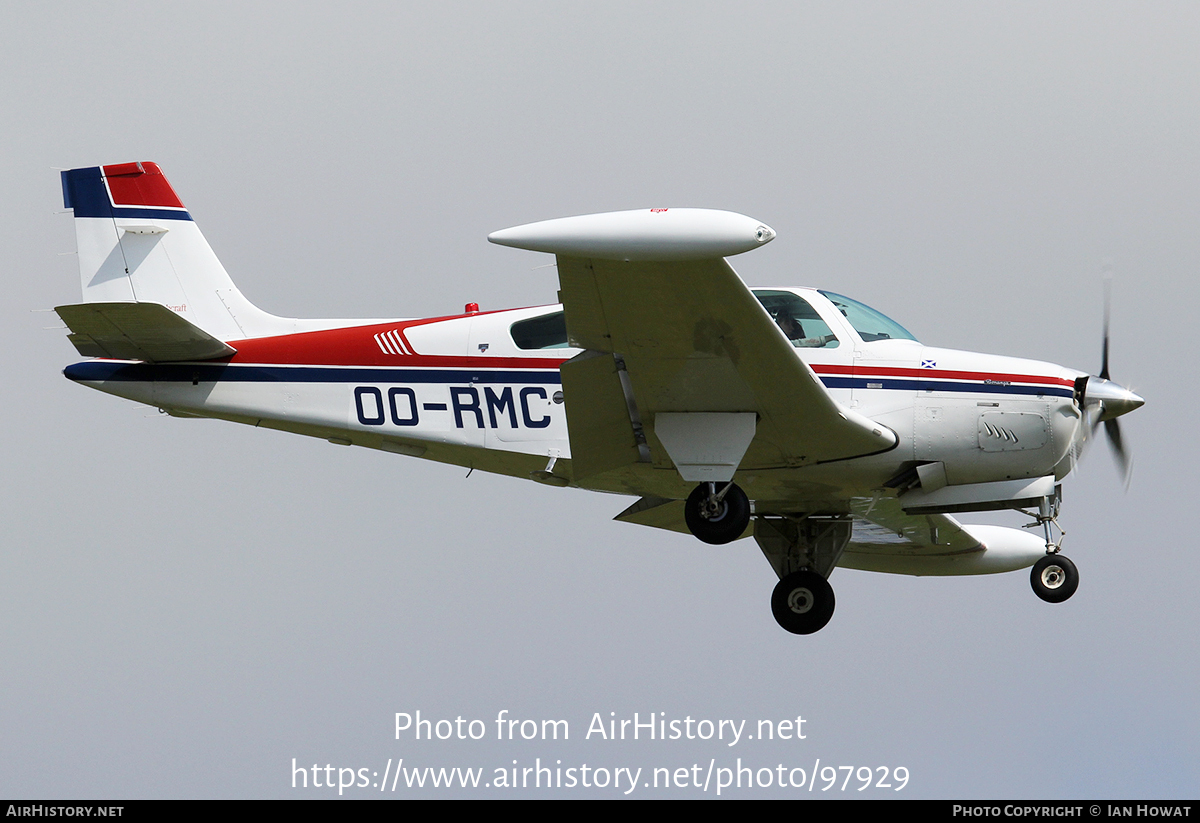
<point x="798" y="320"/>
<point x="546" y="332"/>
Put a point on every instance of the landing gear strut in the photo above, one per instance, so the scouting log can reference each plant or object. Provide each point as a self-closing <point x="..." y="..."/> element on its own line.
<point x="1054" y="578"/>
<point x="717" y="515"/>
<point x="803" y="550"/>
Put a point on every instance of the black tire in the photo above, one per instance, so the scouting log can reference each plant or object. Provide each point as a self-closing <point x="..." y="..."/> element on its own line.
<point x="1054" y="578"/>
<point x="802" y="602"/>
<point x="723" y="526"/>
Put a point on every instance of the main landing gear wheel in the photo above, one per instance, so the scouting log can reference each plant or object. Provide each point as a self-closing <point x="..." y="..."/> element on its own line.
<point x="1054" y="578"/>
<point x="715" y="515"/>
<point x="802" y="602"/>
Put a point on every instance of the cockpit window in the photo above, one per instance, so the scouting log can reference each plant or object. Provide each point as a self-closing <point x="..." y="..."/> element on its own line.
<point x="799" y="320"/>
<point x="870" y="324"/>
<point x="546" y="332"/>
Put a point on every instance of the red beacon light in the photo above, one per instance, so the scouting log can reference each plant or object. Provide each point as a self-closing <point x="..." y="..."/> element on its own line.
<point x="471" y="308"/>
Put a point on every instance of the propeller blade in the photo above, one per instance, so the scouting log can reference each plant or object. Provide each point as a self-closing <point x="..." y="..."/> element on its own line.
<point x="1113" y="429"/>
<point x="1105" y="401"/>
<point x="1104" y="346"/>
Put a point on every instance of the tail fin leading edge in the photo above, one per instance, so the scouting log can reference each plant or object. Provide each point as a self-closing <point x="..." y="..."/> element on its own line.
<point x="137" y="243"/>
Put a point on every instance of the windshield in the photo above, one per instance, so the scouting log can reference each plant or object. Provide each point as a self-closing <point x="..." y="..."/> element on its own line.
<point x="871" y="325"/>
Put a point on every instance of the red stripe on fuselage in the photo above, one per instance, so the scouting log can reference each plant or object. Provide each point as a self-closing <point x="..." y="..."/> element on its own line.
<point x="356" y="346"/>
<point x="943" y="374"/>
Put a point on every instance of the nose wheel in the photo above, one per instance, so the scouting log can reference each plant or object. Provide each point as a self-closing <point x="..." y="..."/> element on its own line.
<point x="1054" y="578"/>
<point x="802" y="602"/>
<point x="717" y="515"/>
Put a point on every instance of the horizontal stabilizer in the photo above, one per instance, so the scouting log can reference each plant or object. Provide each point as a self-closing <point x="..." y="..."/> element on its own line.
<point x="138" y="331"/>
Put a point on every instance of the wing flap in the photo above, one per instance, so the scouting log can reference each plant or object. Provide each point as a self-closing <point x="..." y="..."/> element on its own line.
<point x="138" y="331"/>
<point x="602" y="435"/>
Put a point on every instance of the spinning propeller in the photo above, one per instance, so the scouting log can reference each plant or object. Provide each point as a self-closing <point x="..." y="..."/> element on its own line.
<point x="1104" y="401"/>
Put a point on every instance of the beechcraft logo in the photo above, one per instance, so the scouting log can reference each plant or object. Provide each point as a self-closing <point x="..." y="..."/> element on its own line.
<point x="928" y="364"/>
<point x="390" y="342"/>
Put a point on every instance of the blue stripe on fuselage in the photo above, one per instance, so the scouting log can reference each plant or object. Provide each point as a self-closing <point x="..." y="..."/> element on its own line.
<point x="94" y="371"/>
<point x="101" y="370"/>
<point x="893" y="384"/>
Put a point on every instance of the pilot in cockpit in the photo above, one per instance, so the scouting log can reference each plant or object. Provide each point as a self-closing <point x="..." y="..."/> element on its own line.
<point x="795" y="332"/>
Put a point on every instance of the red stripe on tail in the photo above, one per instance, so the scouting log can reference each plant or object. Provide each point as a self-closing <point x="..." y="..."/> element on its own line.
<point x="140" y="184"/>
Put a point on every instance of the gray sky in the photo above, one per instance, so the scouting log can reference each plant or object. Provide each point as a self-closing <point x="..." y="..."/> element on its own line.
<point x="188" y="605"/>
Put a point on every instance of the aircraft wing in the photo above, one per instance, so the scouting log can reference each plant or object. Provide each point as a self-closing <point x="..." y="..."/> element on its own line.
<point x="885" y="539"/>
<point x="691" y="337"/>
<point x="138" y="331"/>
<point x="882" y="528"/>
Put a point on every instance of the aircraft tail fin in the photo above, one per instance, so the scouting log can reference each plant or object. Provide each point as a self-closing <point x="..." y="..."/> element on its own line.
<point x="138" y="244"/>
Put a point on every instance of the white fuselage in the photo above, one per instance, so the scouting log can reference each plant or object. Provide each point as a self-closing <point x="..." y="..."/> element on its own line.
<point x="461" y="390"/>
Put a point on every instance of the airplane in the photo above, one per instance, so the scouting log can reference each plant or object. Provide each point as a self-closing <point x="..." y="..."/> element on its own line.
<point x="797" y="416"/>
